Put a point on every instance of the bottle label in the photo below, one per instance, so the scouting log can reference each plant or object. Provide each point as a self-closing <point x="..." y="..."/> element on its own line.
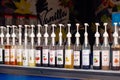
<point x="12" y="55"/>
<point x="76" y="58"/>
<point x="38" y="56"/>
<point x="52" y="57"/>
<point x="60" y="57"/>
<point x="105" y="58"/>
<point x="96" y="58"/>
<point x="1" y="54"/>
<point x="116" y="58"/>
<point x="19" y="55"/>
<point x="25" y="57"/>
<point x="7" y="55"/>
<point x="68" y="57"/>
<point x="31" y="56"/>
<point x="85" y="57"/>
<point x="45" y="56"/>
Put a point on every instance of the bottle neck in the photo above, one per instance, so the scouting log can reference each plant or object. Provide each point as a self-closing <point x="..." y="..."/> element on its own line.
<point x="97" y="41"/>
<point x="115" y="41"/>
<point x="106" y="41"/>
<point x="60" y="41"/>
<point x="86" y="41"/>
<point x="53" y="41"/>
<point x="69" y="41"/>
<point x="39" y="41"/>
<point x="77" y="41"/>
<point x="13" y="40"/>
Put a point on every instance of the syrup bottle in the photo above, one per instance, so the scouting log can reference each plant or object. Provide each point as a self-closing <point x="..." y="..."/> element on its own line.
<point x="26" y="50"/>
<point x="105" y="51"/>
<point x="32" y="49"/>
<point x="2" y="54"/>
<point x="77" y="49"/>
<point x="60" y="50"/>
<point x="86" y="50"/>
<point x="38" y="53"/>
<point x="97" y="50"/>
<point x="45" y="48"/>
<point x="20" y="48"/>
<point x="69" y="51"/>
<point x="52" y="51"/>
<point x="115" y="51"/>
<point x="13" y="60"/>
<point x="7" y="47"/>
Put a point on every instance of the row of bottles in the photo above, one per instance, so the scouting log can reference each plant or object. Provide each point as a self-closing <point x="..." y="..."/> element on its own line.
<point x="67" y="56"/>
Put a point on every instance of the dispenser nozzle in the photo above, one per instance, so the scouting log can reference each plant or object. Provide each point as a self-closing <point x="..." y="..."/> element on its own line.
<point x="39" y="34"/>
<point x="2" y="34"/>
<point x="60" y="34"/>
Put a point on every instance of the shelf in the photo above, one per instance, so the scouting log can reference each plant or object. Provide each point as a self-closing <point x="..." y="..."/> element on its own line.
<point x="61" y="72"/>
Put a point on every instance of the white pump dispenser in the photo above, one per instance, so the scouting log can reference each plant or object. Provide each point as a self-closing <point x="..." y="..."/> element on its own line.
<point x="26" y="35"/>
<point x="115" y="34"/>
<point x="97" y="35"/>
<point x="60" y="34"/>
<point x="39" y="34"/>
<point x="69" y="35"/>
<point x="13" y="34"/>
<point x="77" y="35"/>
<point x="20" y="35"/>
<point x="53" y="35"/>
<point x="105" y="35"/>
<point x="8" y="35"/>
<point x="2" y="35"/>
<point x="46" y="35"/>
<point x="32" y="35"/>
<point x="86" y="35"/>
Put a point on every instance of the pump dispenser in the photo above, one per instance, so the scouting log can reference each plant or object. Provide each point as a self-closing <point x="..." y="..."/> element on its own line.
<point x="86" y="50"/>
<point x="20" y="47"/>
<point x="2" y="46"/>
<point x="77" y="49"/>
<point x="13" y="59"/>
<point x="52" y="51"/>
<point x="45" y="48"/>
<point x="7" y="47"/>
<point x="97" y="50"/>
<point x="60" y="50"/>
<point x="115" y="50"/>
<point x="69" y="50"/>
<point x="26" y="50"/>
<point x="32" y="48"/>
<point x="38" y="52"/>
<point x="105" y="50"/>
